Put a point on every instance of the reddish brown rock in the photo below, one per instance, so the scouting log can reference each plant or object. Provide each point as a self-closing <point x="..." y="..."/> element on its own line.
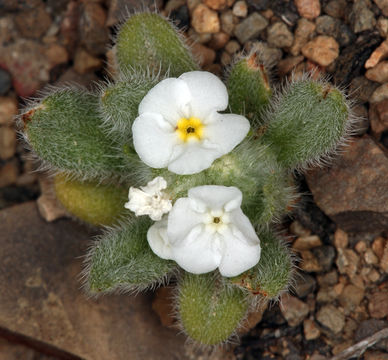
<point x="25" y="60"/>
<point x="378" y="116"/>
<point x="379" y="54"/>
<point x="41" y="297"/>
<point x="353" y="191"/>
<point x="378" y="73"/>
<point x="205" y="55"/>
<point x="306" y="242"/>
<point x="378" y="305"/>
<point x="215" y="4"/>
<point x="310" y="329"/>
<point x="218" y="40"/>
<point x="8" y="174"/>
<point x="303" y="33"/>
<point x="205" y="20"/>
<point x="286" y="65"/>
<point x="8" y="110"/>
<point x="309" y="9"/>
<point x="293" y="310"/>
<point x="322" y="50"/>
<point x="341" y="239"/>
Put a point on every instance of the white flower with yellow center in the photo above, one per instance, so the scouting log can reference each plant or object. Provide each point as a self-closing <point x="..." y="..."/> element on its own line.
<point x="150" y="199"/>
<point x="207" y="230"/>
<point x="179" y="126"/>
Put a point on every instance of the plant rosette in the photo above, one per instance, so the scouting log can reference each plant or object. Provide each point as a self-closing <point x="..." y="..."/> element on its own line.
<point x="208" y="165"/>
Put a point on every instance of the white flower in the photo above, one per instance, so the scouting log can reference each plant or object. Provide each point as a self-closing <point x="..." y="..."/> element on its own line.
<point x="179" y="126"/>
<point x="207" y="230"/>
<point x="149" y="200"/>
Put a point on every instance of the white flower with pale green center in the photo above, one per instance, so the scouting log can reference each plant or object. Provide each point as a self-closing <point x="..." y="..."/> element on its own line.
<point x="150" y="199"/>
<point x="179" y="126"/>
<point x="207" y="230"/>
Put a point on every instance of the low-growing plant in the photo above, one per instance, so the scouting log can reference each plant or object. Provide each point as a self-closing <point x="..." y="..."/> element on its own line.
<point x="209" y="168"/>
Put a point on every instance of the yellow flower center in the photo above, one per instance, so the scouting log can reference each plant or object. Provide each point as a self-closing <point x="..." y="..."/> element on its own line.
<point x="189" y="129"/>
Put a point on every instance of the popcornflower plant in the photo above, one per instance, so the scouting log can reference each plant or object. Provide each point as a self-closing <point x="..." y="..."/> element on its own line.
<point x="208" y="166"/>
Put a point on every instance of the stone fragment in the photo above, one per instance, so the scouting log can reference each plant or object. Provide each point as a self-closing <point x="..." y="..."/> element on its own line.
<point x="380" y="53"/>
<point x="303" y="33"/>
<point x="355" y="203"/>
<point x="293" y="310"/>
<point x="8" y="110"/>
<point x="347" y="262"/>
<point x="278" y="35"/>
<point x="378" y="305"/>
<point x="50" y="208"/>
<point x="362" y="88"/>
<point x="361" y="18"/>
<point x="335" y="8"/>
<point x="332" y="318"/>
<point x="382" y="26"/>
<point x="7" y="142"/>
<point x="94" y="35"/>
<point x="309" y="262"/>
<point x="310" y="330"/>
<point x="378" y="73"/>
<point x="232" y="47"/>
<point x="370" y="258"/>
<point x="327" y="295"/>
<point x="328" y="279"/>
<point x="56" y="55"/>
<point x="250" y="27"/>
<point x="327" y="25"/>
<point x="351" y="297"/>
<point x="384" y="259"/>
<point x="383" y="6"/>
<point x="33" y="23"/>
<point x="205" y="55"/>
<point x="25" y="60"/>
<point x="43" y="263"/>
<point x="309" y="9"/>
<point x="218" y="40"/>
<point x="306" y="242"/>
<point x="8" y="173"/>
<point x="378" y="245"/>
<point x="215" y="4"/>
<point x="85" y="62"/>
<point x="228" y="22"/>
<point x="368" y="328"/>
<point x="205" y="20"/>
<point x="5" y="82"/>
<point x="305" y="284"/>
<point x="240" y="9"/>
<point x="298" y="229"/>
<point x="360" y="247"/>
<point x="225" y="58"/>
<point x="341" y="239"/>
<point x="323" y="50"/>
<point x="201" y="38"/>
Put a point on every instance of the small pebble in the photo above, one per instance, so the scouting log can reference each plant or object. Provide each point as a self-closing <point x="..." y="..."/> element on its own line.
<point x="332" y="318"/>
<point x="327" y="25"/>
<point x="226" y="58"/>
<point x="361" y="18"/>
<point x="205" y="20"/>
<point x="360" y="247"/>
<point x="232" y="47"/>
<point x="286" y="65"/>
<point x="309" y="9"/>
<point x="306" y="242"/>
<point x="382" y="5"/>
<point x="8" y="174"/>
<point x="205" y="55"/>
<point x="370" y="258"/>
<point x="341" y="239"/>
<point x="378" y="245"/>
<point x="278" y="35"/>
<point x="218" y="40"/>
<point x="298" y="229"/>
<point x="384" y="259"/>
<point x="323" y="50"/>
<point x="303" y="33"/>
<point x="293" y="309"/>
<point x="270" y="56"/>
<point x="228" y="22"/>
<point x="310" y="329"/>
<point x="382" y="26"/>
<point x="7" y="142"/>
<point x="250" y="27"/>
<point x="85" y="62"/>
<point x="56" y="55"/>
<point x="380" y="94"/>
<point x="240" y="9"/>
<point x="202" y="38"/>
<point x="335" y="8"/>
<point x="378" y="305"/>
<point x="377" y="55"/>
<point x="378" y="73"/>
<point x="8" y="110"/>
<point x="351" y="297"/>
<point x="215" y="4"/>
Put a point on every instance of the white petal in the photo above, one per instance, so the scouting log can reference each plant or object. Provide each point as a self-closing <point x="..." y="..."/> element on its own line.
<point x="239" y="255"/>
<point x="155" y="186"/>
<point x="243" y="224"/>
<point x="227" y="131"/>
<point x="217" y="197"/>
<point x="199" y="252"/>
<point x="193" y="159"/>
<point x="208" y="92"/>
<point x="158" y="240"/>
<point x="153" y="139"/>
<point x="181" y="220"/>
<point x="170" y="98"/>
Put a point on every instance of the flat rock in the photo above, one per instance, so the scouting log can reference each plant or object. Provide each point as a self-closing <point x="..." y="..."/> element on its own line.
<point x="353" y="191"/>
<point x="41" y="297"/>
<point x="293" y="310"/>
<point x="250" y="27"/>
<point x="330" y="317"/>
<point x="322" y="50"/>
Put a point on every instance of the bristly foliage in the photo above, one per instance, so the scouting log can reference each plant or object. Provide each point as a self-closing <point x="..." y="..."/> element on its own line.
<point x="121" y="260"/>
<point x="208" y="310"/>
<point x="148" y="41"/>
